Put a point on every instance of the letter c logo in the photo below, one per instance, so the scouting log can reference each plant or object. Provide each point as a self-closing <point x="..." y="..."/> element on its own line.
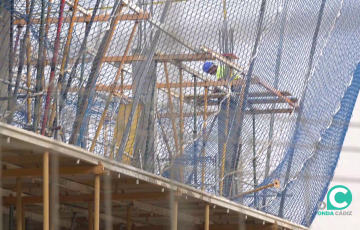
<point x="338" y="198"/>
<point x="332" y="198"/>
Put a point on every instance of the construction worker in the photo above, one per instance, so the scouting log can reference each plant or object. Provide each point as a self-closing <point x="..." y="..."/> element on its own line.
<point x="166" y="172"/>
<point x="171" y="169"/>
<point x="226" y="116"/>
<point x="210" y="68"/>
<point x="219" y="71"/>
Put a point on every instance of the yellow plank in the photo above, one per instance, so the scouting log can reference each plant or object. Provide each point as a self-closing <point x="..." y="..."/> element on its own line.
<point x="121" y="122"/>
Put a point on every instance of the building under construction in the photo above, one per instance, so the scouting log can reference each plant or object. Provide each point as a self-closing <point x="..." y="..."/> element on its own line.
<point x="173" y="114"/>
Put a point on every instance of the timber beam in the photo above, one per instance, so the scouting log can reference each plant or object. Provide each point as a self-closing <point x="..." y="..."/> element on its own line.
<point x="102" y="87"/>
<point x="254" y="111"/>
<point x="86" y="19"/>
<point x="25" y="159"/>
<point x="131" y="58"/>
<point x="90" y="197"/>
<point x="30" y="172"/>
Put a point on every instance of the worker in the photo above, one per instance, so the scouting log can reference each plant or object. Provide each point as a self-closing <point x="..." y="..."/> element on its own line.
<point x="213" y="69"/>
<point x="166" y="172"/>
<point x="172" y="169"/>
<point x="226" y="115"/>
<point x="221" y="73"/>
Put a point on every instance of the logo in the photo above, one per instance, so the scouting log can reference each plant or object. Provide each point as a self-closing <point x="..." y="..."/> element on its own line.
<point x="339" y="198"/>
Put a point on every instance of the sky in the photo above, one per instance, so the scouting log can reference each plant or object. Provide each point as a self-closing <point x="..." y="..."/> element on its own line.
<point x="347" y="174"/>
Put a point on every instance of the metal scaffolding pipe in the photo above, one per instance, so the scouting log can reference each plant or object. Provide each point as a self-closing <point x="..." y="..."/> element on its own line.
<point x="275" y="184"/>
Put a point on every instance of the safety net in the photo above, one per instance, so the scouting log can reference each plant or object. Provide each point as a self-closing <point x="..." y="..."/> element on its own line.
<point x="249" y="100"/>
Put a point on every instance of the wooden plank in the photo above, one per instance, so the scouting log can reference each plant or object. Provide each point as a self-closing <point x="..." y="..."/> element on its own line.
<point x="131" y="58"/>
<point x="121" y="121"/>
<point x="24" y="186"/>
<point x="29" y="172"/>
<point x="255" y="111"/>
<point x="90" y="197"/>
<point x="82" y="19"/>
<point x="27" y="159"/>
<point x="254" y="101"/>
<point x="258" y="95"/>
<point x="107" y="88"/>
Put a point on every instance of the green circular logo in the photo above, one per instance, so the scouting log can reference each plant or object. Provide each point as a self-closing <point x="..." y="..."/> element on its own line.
<point x="338" y="198"/>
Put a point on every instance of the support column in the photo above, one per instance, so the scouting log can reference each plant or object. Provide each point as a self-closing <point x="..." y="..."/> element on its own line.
<point x="97" y="203"/>
<point x="128" y="222"/>
<point x="18" y="204"/>
<point x="23" y="215"/>
<point x="27" y="224"/>
<point x="207" y="214"/>
<point x="91" y="215"/>
<point x="46" y="191"/>
<point x="5" y="222"/>
<point x="11" y="217"/>
<point x="175" y="215"/>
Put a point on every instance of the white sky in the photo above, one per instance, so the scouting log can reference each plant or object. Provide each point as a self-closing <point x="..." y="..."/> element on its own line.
<point x="347" y="174"/>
